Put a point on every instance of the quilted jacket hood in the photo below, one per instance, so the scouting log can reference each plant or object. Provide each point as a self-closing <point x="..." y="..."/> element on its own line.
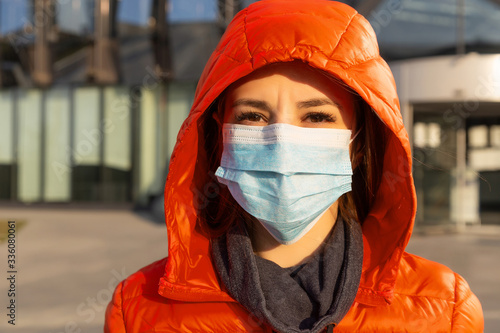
<point x="334" y="38"/>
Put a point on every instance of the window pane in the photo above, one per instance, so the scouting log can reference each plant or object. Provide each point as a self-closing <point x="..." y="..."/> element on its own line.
<point x="87" y="135"/>
<point x="75" y="16"/>
<point x="6" y="141"/>
<point x="192" y="11"/>
<point x="148" y="142"/>
<point x="86" y="180"/>
<point x="117" y="182"/>
<point x="14" y="15"/>
<point x="180" y="98"/>
<point x="435" y="168"/>
<point x="134" y="11"/>
<point x="116" y="128"/>
<point x="57" y="146"/>
<point x="6" y="126"/>
<point x="482" y="22"/>
<point x="413" y="28"/>
<point x="30" y="120"/>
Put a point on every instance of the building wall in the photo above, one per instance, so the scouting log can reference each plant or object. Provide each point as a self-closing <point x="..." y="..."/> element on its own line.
<point x="447" y="102"/>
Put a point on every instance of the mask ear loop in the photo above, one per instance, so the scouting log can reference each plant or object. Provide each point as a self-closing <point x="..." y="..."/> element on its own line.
<point x="355" y="135"/>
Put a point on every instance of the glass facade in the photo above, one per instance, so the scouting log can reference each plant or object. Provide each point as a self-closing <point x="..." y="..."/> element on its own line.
<point x="483" y="144"/>
<point x="89" y="144"/>
<point x="75" y="17"/>
<point x="417" y="28"/>
<point x="86" y="145"/>
<point x="29" y="147"/>
<point x="192" y="11"/>
<point x="7" y="143"/>
<point x="150" y="166"/>
<point x="452" y="190"/>
<point x="14" y="15"/>
<point x="135" y="12"/>
<point x="56" y="146"/>
<point x="450" y="193"/>
<point x="435" y="165"/>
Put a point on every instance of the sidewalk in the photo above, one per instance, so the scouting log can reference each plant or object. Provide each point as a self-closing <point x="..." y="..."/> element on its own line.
<point x="475" y="255"/>
<point x="69" y="262"/>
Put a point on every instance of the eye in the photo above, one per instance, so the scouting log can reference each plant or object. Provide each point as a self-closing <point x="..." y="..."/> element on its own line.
<point x="320" y="117"/>
<point x="250" y="117"/>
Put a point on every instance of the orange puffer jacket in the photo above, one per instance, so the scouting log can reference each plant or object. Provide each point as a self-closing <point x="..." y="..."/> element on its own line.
<point x="398" y="292"/>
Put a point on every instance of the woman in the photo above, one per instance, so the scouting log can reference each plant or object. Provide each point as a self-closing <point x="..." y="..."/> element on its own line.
<point x="294" y="109"/>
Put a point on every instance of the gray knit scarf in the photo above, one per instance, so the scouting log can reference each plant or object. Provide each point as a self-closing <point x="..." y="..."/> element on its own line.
<point x="303" y="298"/>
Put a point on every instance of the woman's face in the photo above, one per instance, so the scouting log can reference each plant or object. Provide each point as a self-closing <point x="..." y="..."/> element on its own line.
<point x="291" y="93"/>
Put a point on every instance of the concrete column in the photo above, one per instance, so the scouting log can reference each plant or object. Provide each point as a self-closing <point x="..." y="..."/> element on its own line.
<point x="366" y="7"/>
<point x="1" y="53"/>
<point x="42" y="55"/>
<point x="461" y="176"/>
<point x="105" y="60"/>
<point x="161" y="40"/>
<point x="227" y="10"/>
<point x="406" y="106"/>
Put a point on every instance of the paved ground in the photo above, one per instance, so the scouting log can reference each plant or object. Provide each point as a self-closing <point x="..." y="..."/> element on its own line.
<point x="475" y="255"/>
<point x="69" y="261"/>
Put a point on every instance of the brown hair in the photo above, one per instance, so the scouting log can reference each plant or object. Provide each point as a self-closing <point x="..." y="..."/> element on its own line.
<point x="367" y="156"/>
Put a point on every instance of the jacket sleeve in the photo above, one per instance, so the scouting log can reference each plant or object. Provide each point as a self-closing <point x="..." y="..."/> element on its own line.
<point x="114" y="322"/>
<point x="467" y="312"/>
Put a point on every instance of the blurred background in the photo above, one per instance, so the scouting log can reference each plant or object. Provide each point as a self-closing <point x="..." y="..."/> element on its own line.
<point x="93" y="93"/>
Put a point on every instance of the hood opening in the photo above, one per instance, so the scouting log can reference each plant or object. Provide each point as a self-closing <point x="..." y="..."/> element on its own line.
<point x="330" y="37"/>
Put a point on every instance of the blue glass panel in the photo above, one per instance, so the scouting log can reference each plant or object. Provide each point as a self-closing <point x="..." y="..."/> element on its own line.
<point x="136" y="12"/>
<point x="75" y="16"/>
<point x="415" y="24"/>
<point x="192" y="11"/>
<point x="412" y="28"/>
<point x="482" y="22"/>
<point x="14" y="15"/>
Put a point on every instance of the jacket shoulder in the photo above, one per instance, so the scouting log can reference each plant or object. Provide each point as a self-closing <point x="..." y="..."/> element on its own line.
<point x="132" y="296"/>
<point x="144" y="281"/>
<point x="428" y="297"/>
<point x="137" y="307"/>
<point x="422" y="277"/>
<point x="430" y="286"/>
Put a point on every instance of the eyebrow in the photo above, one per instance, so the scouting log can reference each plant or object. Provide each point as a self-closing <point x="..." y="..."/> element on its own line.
<point x="310" y="103"/>
<point x="255" y="103"/>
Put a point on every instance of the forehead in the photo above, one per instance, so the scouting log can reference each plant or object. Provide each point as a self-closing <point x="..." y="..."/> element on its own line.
<point x="295" y="71"/>
<point x="300" y="79"/>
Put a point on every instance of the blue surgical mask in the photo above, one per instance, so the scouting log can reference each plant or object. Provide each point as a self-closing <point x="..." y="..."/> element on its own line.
<point x="285" y="176"/>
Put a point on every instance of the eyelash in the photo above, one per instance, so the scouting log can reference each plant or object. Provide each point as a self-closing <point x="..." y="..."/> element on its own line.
<point x="319" y="116"/>
<point x="247" y="115"/>
<point x="327" y="117"/>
